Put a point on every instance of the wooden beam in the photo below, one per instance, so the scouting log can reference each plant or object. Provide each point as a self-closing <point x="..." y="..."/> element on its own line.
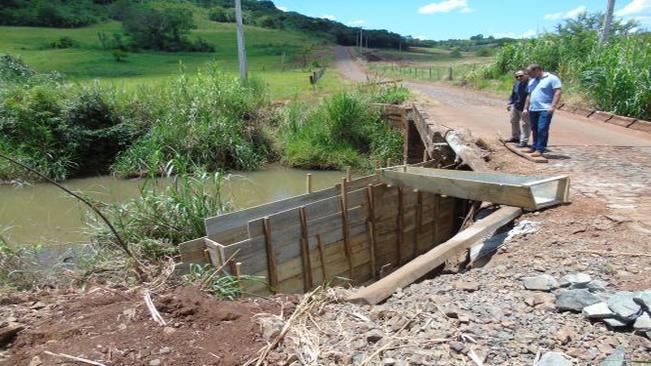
<point x="517" y="151"/>
<point x="344" y="223"/>
<point x="421" y="266"/>
<point x="308" y="282"/>
<point x="371" y="228"/>
<point x="272" y="266"/>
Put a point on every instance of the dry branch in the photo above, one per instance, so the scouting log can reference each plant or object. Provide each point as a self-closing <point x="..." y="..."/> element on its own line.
<point x="74" y="358"/>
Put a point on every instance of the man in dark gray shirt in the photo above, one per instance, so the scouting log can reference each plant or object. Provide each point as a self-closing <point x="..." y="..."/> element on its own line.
<point x="519" y="133"/>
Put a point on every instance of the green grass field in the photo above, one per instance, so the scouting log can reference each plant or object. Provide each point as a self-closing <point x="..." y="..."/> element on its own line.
<point x="86" y="61"/>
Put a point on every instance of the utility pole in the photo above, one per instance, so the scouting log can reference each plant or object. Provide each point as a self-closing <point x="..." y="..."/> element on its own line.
<point x="241" y="49"/>
<point x="608" y="19"/>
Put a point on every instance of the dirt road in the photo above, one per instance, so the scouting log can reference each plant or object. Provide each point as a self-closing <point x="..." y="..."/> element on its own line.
<point x="486" y="115"/>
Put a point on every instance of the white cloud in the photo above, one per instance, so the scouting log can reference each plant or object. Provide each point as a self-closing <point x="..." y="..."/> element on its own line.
<point x="446" y="7"/>
<point x="571" y="14"/>
<point x="639" y="10"/>
<point x="357" y="22"/>
<point x="635" y="7"/>
<point x="422" y="38"/>
<point x="283" y="8"/>
<point x="528" y="34"/>
<point x="329" y="17"/>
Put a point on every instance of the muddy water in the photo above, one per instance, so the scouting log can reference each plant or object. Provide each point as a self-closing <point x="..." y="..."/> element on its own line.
<point x="41" y="214"/>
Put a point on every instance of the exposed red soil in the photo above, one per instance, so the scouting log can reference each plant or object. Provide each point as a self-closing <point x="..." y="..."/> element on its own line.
<point x="115" y="328"/>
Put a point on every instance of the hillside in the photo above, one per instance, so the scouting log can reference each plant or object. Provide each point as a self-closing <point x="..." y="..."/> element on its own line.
<point x="277" y="56"/>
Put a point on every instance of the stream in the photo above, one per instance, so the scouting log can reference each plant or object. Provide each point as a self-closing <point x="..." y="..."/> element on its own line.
<point x="42" y="214"/>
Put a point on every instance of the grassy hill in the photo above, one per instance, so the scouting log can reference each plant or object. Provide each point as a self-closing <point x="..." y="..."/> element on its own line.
<point x="276" y="56"/>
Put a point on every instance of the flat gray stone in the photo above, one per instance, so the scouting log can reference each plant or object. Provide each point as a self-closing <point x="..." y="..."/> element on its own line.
<point x="644" y="299"/>
<point x="623" y="305"/>
<point x="596" y="286"/>
<point x="554" y="359"/>
<point x="599" y="310"/>
<point x="618" y="358"/>
<point x="615" y="323"/>
<point x="576" y="300"/>
<point x="643" y="323"/>
<point x="576" y="280"/>
<point x="543" y="282"/>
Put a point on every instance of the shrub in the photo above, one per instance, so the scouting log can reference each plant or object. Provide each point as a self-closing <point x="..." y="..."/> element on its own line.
<point x="209" y="121"/>
<point x="165" y="214"/>
<point x="63" y="42"/>
<point x="341" y="131"/>
<point x="119" y="55"/>
<point x="456" y="53"/>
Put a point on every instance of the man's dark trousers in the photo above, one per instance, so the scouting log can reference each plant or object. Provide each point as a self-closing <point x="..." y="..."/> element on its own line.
<point x="540" y="122"/>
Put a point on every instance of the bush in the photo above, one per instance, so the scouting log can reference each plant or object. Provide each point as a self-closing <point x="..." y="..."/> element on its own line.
<point x="63" y="42"/>
<point x="342" y="131"/>
<point x="611" y="75"/>
<point x="456" y="53"/>
<point x="165" y="215"/>
<point x="119" y="55"/>
<point x="208" y="121"/>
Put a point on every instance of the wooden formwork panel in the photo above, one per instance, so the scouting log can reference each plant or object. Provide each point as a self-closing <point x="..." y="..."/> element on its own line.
<point x="311" y="240"/>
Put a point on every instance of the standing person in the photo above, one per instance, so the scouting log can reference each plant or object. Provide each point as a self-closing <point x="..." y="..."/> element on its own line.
<point x="544" y="94"/>
<point x="519" y="133"/>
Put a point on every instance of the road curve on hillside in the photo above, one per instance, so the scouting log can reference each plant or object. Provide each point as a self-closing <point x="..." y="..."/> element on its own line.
<point x="485" y="115"/>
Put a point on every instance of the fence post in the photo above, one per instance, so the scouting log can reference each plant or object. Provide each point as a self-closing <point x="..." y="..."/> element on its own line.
<point x="450" y="73"/>
<point x="430" y="74"/>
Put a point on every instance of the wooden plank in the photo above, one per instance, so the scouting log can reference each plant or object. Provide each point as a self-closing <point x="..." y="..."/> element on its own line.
<point x="399" y="227"/>
<point x="237" y="219"/>
<point x="344" y="222"/>
<point x="272" y="266"/>
<point x="502" y="193"/>
<point x="419" y="267"/>
<point x="371" y="227"/>
<point x="305" y="252"/>
<point x="192" y="251"/>
<point x="523" y="153"/>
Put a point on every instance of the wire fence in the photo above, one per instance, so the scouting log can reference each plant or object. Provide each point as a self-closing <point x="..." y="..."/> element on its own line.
<point x="428" y="73"/>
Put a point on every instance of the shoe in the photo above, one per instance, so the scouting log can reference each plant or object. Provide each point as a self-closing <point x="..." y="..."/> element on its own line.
<point x="522" y="145"/>
<point x="511" y="140"/>
<point x="537" y="154"/>
<point x="532" y="150"/>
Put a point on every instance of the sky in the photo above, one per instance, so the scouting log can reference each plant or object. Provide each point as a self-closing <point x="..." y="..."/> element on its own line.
<point x="445" y="19"/>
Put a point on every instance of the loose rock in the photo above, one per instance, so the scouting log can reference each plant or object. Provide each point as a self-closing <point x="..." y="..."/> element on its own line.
<point x="643" y="323"/>
<point x="554" y="359"/>
<point x="576" y="300"/>
<point x="623" y="305"/>
<point x="576" y="280"/>
<point x="616" y="359"/>
<point x="644" y="299"/>
<point x="543" y="282"/>
<point x="598" y="311"/>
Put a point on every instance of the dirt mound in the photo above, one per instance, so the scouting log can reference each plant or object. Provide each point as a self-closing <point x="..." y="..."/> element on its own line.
<point x="115" y="328"/>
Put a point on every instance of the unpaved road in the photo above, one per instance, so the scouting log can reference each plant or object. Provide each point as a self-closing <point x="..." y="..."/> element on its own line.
<point x="486" y="115"/>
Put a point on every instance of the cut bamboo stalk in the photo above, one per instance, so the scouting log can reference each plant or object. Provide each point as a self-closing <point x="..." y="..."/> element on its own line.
<point x="419" y="267"/>
<point x="308" y="183"/>
<point x="272" y="266"/>
<point x="308" y="282"/>
<point x="344" y="222"/>
<point x="371" y="228"/>
<point x="324" y="271"/>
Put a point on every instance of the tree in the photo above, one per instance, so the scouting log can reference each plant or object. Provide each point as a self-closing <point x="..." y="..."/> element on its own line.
<point x="162" y="28"/>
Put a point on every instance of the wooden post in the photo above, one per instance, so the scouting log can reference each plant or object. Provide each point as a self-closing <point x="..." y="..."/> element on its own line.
<point x="400" y="226"/>
<point x="272" y="266"/>
<point x="324" y="272"/>
<point x="308" y="282"/>
<point x="241" y="48"/>
<point x="348" y="174"/>
<point x="435" y="222"/>
<point x="308" y="183"/>
<point x="450" y="73"/>
<point x="388" y="162"/>
<point x="430" y="73"/>
<point x="371" y="228"/>
<point x="425" y="154"/>
<point x="344" y="220"/>
<point x="419" y="221"/>
<point x="238" y="275"/>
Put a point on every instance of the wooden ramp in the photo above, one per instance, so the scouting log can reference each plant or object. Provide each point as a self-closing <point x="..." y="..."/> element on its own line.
<point x="532" y="193"/>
